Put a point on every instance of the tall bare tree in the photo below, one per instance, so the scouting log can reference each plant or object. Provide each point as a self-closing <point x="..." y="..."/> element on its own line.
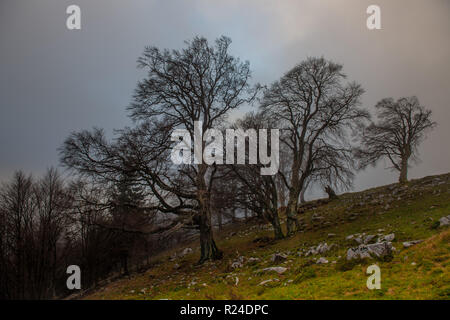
<point x="402" y="125"/>
<point x="198" y="83"/>
<point x="316" y="111"/>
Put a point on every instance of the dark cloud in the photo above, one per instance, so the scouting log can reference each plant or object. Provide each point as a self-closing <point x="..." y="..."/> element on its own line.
<point x="54" y="81"/>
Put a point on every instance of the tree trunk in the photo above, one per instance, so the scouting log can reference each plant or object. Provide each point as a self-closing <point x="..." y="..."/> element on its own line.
<point x="331" y="194"/>
<point x="208" y="246"/>
<point x="291" y="213"/>
<point x="278" y="233"/>
<point x="403" y="178"/>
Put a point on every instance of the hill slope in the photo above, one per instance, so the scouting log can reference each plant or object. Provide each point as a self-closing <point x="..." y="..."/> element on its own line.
<point x="410" y="212"/>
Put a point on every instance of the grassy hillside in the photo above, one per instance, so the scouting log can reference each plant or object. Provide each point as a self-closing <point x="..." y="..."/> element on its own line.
<point x="411" y="212"/>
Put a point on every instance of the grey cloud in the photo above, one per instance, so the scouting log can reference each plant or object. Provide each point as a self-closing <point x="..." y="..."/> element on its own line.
<point x="54" y="81"/>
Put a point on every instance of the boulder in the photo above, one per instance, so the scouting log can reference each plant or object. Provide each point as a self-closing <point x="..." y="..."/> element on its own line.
<point x="322" y="260"/>
<point x="444" y="221"/>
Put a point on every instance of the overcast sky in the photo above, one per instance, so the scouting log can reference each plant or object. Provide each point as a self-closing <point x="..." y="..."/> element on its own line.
<point x="54" y="81"/>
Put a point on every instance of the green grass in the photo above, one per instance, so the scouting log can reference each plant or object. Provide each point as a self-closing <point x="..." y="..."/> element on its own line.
<point x="419" y="272"/>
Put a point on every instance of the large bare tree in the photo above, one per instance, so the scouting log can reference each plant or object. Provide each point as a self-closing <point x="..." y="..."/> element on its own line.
<point x="316" y="111"/>
<point x="200" y="83"/>
<point x="401" y="127"/>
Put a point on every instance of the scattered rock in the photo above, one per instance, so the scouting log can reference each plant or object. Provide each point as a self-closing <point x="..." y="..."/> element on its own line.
<point x="408" y="244"/>
<point x="252" y="260"/>
<point x="320" y="249"/>
<point x="322" y="260"/>
<point x="279" y="270"/>
<point x="278" y="257"/>
<point x="364" y="239"/>
<point x="387" y="238"/>
<point x="238" y="263"/>
<point x="350" y="237"/>
<point x="331" y="235"/>
<point x="186" y="251"/>
<point x="444" y="221"/>
<point x="265" y="282"/>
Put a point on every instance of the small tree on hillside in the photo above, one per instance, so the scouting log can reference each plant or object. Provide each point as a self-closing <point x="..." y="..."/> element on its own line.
<point x="401" y="127"/>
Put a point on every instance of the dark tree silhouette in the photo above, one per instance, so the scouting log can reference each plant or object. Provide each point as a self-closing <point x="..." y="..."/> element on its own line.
<point x="198" y="83"/>
<point x="401" y="127"/>
<point x="33" y="220"/>
<point x="316" y="112"/>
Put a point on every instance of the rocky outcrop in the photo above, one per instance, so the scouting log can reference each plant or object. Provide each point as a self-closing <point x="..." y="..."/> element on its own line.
<point x="376" y="250"/>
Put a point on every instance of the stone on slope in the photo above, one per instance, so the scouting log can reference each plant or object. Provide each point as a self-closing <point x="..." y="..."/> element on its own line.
<point x="321" y="248"/>
<point x="408" y="244"/>
<point x="279" y="270"/>
<point x="322" y="260"/>
<point x="237" y="264"/>
<point x="444" y="221"/>
<point x="387" y="238"/>
<point x="364" y="239"/>
<point x="186" y="251"/>
<point x="278" y="257"/>
<point x="264" y="282"/>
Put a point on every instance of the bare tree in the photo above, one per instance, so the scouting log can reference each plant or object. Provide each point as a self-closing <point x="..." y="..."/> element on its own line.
<point x="401" y="127"/>
<point x="316" y="112"/>
<point x="198" y="83"/>
<point x="34" y="219"/>
<point x="256" y="192"/>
